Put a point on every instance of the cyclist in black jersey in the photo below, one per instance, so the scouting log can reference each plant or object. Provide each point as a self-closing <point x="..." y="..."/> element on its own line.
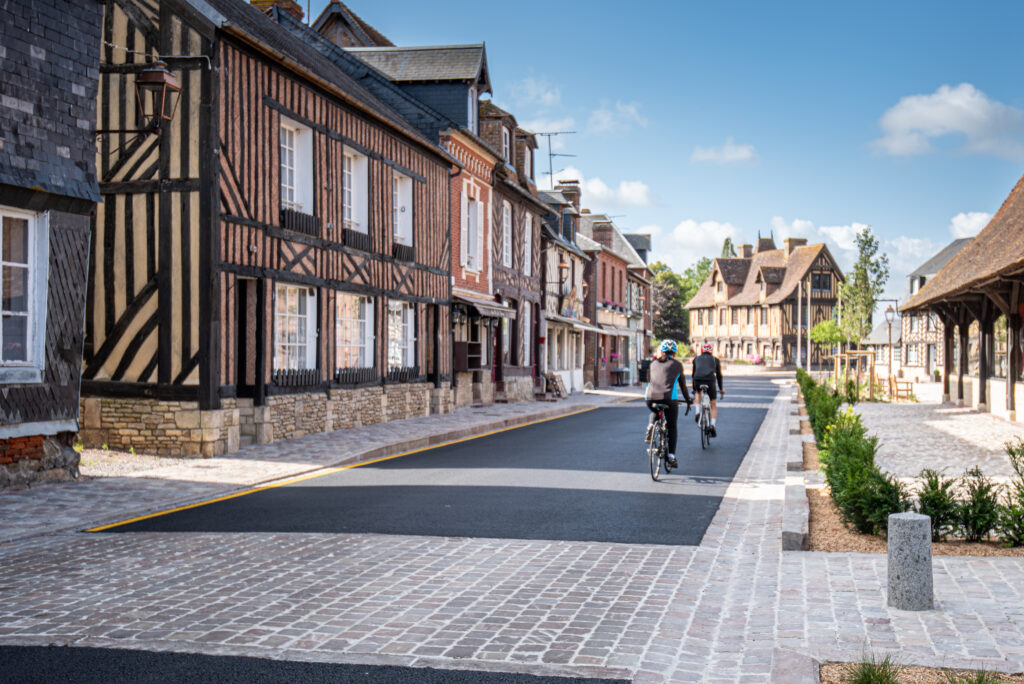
<point x="707" y="370"/>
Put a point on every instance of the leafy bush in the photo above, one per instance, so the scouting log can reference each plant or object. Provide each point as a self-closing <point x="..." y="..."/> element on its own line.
<point x="1011" y="513"/>
<point x="938" y="501"/>
<point x="852" y="392"/>
<point x="978" y="512"/>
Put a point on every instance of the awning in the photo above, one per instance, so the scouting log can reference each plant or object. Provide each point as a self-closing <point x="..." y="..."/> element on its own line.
<point x="486" y="308"/>
<point x="575" y="323"/>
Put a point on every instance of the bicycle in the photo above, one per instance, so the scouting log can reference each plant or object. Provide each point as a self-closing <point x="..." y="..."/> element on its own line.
<point x="657" y="448"/>
<point x="704" y="423"/>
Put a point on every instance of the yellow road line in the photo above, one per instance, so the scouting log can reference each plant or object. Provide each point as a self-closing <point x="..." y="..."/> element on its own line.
<point x="327" y="471"/>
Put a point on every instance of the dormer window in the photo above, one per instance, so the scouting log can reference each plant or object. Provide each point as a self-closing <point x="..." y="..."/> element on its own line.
<point x="528" y="161"/>
<point x="763" y="287"/>
<point x="720" y="286"/>
<point x="506" y="145"/>
<point x="471" y="114"/>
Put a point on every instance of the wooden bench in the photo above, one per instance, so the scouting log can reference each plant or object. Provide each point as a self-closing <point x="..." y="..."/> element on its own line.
<point x="900" y="389"/>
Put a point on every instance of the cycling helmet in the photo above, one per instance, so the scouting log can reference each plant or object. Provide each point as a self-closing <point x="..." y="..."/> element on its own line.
<point x="707" y="348"/>
<point x="668" y="347"/>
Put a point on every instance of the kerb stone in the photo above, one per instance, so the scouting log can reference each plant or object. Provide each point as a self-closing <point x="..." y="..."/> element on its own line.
<point x="910" y="562"/>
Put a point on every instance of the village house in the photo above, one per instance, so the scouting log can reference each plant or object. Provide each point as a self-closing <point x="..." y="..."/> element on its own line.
<point x="976" y="296"/>
<point x="516" y="214"/>
<point x="48" y="189"/>
<point x="277" y="261"/>
<point x="607" y="349"/>
<point x="563" y="322"/>
<point x="762" y="303"/>
<point x="419" y="82"/>
<point x="922" y="333"/>
<point x="885" y="340"/>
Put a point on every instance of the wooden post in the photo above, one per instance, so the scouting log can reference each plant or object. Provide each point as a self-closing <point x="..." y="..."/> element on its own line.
<point x="962" y="328"/>
<point x="947" y="355"/>
<point x="1012" y="363"/>
<point x="984" y="361"/>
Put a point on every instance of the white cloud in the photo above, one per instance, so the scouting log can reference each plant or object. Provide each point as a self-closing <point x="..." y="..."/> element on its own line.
<point x="988" y="127"/>
<point x="621" y="117"/>
<point x="688" y="241"/>
<point x="536" y="91"/>
<point x="599" y="196"/>
<point x="798" y="228"/>
<point x="729" y="153"/>
<point x="968" y="224"/>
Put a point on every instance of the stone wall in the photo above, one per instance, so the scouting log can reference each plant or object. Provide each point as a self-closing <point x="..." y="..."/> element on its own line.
<point x="519" y="388"/>
<point x="468" y="393"/>
<point x="25" y="460"/>
<point x="168" y="428"/>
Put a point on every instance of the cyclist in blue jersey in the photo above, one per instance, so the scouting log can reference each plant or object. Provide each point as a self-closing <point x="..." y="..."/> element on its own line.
<point x="667" y="379"/>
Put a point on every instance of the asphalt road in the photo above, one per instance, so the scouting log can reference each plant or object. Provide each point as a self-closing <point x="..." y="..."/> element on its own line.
<point x="580" y="478"/>
<point x="48" y="664"/>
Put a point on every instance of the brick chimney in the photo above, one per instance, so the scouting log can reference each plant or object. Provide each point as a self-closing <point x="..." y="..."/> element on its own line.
<point x="604" y="233"/>
<point x="570" y="189"/>
<point x="290" y="6"/>
<point x="745" y="251"/>
<point x="793" y="243"/>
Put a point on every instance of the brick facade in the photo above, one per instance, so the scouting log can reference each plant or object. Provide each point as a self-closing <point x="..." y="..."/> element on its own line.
<point x="34" y="458"/>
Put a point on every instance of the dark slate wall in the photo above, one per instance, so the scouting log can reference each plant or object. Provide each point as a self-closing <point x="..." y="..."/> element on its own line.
<point x="448" y="98"/>
<point x="56" y="397"/>
<point x="49" y="70"/>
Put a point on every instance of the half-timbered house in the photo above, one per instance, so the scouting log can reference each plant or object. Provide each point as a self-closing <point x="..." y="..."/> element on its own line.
<point x="516" y="216"/>
<point x="563" y="323"/>
<point x="47" y="192"/>
<point x="761" y="304"/>
<point x="277" y="261"/>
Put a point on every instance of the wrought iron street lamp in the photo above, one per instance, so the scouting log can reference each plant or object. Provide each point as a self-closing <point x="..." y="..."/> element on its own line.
<point x="156" y="96"/>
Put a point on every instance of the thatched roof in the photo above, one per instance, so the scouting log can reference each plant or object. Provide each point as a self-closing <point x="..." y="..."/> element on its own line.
<point x="996" y="252"/>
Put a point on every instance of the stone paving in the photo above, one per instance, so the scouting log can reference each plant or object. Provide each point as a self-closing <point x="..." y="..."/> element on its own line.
<point x="735" y="608"/>
<point x="934" y="435"/>
<point x="92" y="501"/>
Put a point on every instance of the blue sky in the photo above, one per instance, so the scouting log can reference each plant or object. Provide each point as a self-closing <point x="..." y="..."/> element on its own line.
<point x="700" y="120"/>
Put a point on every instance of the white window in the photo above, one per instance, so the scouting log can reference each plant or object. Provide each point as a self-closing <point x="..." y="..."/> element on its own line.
<point x="506" y="234"/>
<point x="471" y="239"/>
<point x="296" y="152"/>
<point x="24" y="272"/>
<point x="472" y="104"/>
<point x="294" y="327"/>
<point x="528" y="161"/>
<point x="528" y="245"/>
<point x="912" y="355"/>
<point x="353" y="325"/>
<point x="506" y="145"/>
<point x="401" y="202"/>
<point x="506" y="339"/>
<point x="355" y="192"/>
<point x="526" y="329"/>
<point x="401" y="335"/>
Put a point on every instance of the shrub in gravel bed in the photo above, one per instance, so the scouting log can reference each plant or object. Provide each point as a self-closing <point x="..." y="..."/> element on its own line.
<point x="873" y="671"/>
<point x="1011" y="512"/>
<point x="978" y="511"/>
<point x="937" y="500"/>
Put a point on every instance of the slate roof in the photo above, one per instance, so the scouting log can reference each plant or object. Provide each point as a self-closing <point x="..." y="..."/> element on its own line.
<point x="764" y="244"/>
<point x="588" y="244"/>
<point x="640" y="241"/>
<point x="998" y="250"/>
<point x="336" y="9"/>
<point x="428" y="63"/>
<point x="620" y="247"/>
<point x="489" y="110"/>
<point x="935" y="264"/>
<point x="773" y="265"/>
<point x="880" y="334"/>
<point x="239" y="16"/>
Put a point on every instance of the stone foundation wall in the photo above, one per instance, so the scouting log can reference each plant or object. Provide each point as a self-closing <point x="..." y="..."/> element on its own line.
<point x="467" y="393"/>
<point x="168" y="428"/>
<point x="38" y="458"/>
<point x="179" y="428"/>
<point x="519" y="388"/>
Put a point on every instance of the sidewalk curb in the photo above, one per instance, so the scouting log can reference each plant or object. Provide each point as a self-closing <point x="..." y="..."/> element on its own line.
<point x="371" y="454"/>
<point x="794" y="668"/>
<point x="796" y="509"/>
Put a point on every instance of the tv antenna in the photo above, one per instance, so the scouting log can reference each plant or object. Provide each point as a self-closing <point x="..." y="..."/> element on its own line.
<point x="552" y="155"/>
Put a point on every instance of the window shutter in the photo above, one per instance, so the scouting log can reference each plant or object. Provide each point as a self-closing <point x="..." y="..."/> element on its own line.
<point x="464" y="233"/>
<point x="479" y="258"/>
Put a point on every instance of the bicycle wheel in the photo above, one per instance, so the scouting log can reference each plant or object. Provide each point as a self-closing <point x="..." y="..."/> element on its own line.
<point x="656" y="453"/>
<point x="705" y="441"/>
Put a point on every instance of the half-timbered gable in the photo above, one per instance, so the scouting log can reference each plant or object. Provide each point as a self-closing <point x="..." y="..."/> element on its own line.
<point x="762" y="303"/>
<point x="48" y="189"/>
<point x="297" y="277"/>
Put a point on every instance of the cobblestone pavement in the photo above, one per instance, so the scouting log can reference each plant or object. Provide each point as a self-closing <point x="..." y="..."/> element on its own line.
<point x="934" y="435"/>
<point x="732" y="609"/>
<point x="92" y="501"/>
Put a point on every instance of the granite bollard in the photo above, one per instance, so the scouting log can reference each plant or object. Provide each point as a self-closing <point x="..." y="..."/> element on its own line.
<point x="910" y="562"/>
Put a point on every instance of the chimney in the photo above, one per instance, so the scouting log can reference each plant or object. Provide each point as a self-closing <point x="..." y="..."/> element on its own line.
<point x="604" y="233"/>
<point x="746" y="251"/>
<point x="793" y="243"/>
<point x="571" y="190"/>
<point x="290" y="6"/>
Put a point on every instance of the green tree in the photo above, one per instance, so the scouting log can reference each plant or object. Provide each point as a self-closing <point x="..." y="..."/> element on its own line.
<point x="728" y="248"/>
<point x="862" y="287"/>
<point x="694" y="277"/>
<point x="670" y="318"/>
